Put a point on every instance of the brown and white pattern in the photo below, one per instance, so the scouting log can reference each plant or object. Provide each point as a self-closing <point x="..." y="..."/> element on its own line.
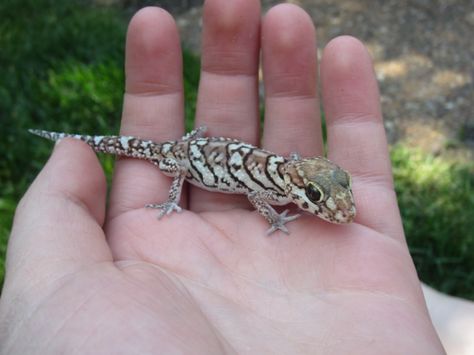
<point x="315" y="185"/>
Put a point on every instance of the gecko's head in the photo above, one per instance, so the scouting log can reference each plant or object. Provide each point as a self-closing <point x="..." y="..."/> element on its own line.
<point x="320" y="187"/>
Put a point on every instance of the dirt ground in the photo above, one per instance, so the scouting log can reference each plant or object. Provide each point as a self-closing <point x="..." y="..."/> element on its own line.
<point x="423" y="52"/>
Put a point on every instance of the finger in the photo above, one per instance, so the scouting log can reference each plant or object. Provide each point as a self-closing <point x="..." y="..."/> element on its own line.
<point x="153" y="106"/>
<point x="58" y="222"/>
<point x="356" y="135"/>
<point x="292" y="122"/>
<point x="228" y="90"/>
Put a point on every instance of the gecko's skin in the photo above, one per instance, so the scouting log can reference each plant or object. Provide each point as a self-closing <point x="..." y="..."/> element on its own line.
<point x="315" y="185"/>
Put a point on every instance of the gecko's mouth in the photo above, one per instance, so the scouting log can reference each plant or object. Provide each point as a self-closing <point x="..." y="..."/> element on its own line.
<point x="339" y="216"/>
<point x="345" y="215"/>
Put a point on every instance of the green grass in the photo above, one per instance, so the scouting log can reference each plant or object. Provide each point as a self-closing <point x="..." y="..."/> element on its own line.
<point x="61" y="68"/>
<point x="436" y="199"/>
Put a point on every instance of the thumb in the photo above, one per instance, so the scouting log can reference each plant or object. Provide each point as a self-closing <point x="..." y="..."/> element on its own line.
<point x="57" y="224"/>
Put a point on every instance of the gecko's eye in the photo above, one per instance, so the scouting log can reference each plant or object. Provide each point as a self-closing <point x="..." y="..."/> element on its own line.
<point x="314" y="193"/>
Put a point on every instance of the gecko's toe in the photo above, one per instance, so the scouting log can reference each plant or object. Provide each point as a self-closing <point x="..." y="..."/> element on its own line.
<point x="165" y="208"/>
<point x="286" y="218"/>
<point x="276" y="227"/>
<point x="279" y="224"/>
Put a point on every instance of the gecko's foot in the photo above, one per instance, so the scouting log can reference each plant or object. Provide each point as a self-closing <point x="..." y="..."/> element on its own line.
<point x="282" y="219"/>
<point x="166" y="207"/>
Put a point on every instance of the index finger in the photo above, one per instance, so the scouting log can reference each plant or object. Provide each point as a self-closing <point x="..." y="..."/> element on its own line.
<point x="153" y="106"/>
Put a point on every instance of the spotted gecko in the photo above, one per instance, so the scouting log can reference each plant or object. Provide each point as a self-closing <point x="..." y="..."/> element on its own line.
<point x="315" y="185"/>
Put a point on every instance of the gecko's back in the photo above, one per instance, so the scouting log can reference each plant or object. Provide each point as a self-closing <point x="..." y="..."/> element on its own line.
<point x="230" y="166"/>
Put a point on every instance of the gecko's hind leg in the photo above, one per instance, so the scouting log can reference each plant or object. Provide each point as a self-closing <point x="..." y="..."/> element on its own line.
<point x="172" y="168"/>
<point x="195" y="133"/>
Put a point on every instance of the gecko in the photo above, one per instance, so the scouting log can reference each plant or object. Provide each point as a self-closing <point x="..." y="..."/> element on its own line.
<point x="315" y="185"/>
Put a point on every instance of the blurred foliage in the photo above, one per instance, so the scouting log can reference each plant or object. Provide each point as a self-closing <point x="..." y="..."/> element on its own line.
<point x="61" y="68"/>
<point x="436" y="199"/>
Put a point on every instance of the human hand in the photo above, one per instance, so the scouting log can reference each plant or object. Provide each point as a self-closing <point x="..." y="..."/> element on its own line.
<point x="208" y="280"/>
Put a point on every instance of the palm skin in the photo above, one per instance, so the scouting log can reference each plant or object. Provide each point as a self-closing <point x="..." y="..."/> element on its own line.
<point x="208" y="280"/>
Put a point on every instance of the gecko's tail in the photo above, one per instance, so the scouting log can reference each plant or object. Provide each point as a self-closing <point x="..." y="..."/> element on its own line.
<point x="55" y="136"/>
<point x="118" y="145"/>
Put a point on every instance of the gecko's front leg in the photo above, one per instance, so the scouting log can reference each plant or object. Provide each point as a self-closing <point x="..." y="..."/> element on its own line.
<point x="171" y="167"/>
<point x="261" y="201"/>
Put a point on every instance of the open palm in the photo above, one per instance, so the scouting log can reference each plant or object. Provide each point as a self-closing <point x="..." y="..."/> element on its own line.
<point x="208" y="280"/>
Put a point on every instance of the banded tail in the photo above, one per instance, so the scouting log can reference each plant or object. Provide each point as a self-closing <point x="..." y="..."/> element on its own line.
<point x="118" y="145"/>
